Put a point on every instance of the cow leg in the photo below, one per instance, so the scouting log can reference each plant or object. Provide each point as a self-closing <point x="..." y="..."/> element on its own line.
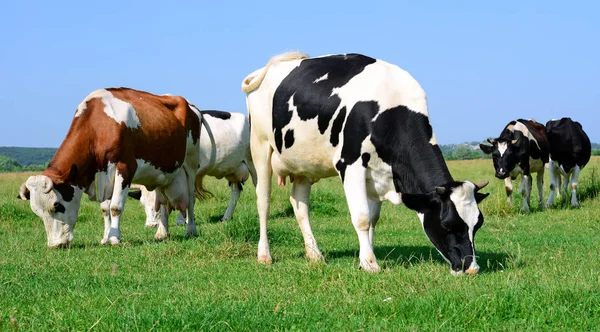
<point x="356" y="195"/>
<point x="299" y="199"/>
<point x="163" y="227"/>
<point x="190" y="229"/>
<point x="509" y="189"/>
<point x="105" y="207"/>
<point x="374" y="212"/>
<point x="554" y="183"/>
<point x="525" y="192"/>
<point x="539" y="179"/>
<point x="234" y="196"/>
<point x="117" y="202"/>
<point x="261" y="155"/>
<point x="181" y="220"/>
<point x="574" y="179"/>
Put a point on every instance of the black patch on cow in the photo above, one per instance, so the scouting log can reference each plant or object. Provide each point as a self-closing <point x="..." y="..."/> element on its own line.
<point x="66" y="191"/>
<point x="357" y="128"/>
<point x="59" y="208"/>
<point x="218" y="114"/>
<point x="135" y="194"/>
<point x="336" y="128"/>
<point x="401" y="138"/>
<point x="365" y="159"/>
<point x="313" y="99"/>
<point x="289" y="138"/>
<point x="569" y="144"/>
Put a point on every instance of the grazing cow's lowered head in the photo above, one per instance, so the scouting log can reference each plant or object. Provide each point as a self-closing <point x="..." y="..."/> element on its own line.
<point x="56" y="204"/>
<point x="450" y="218"/>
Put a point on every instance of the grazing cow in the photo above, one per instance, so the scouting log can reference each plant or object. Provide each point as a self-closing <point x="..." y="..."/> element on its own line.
<point x="224" y="153"/>
<point x="521" y="148"/>
<point x="367" y="121"/>
<point x="570" y="151"/>
<point x="119" y="136"/>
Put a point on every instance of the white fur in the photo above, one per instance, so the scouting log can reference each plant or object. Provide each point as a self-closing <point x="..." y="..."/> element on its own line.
<point x="322" y="78"/>
<point x="118" y="110"/>
<point x="466" y="206"/>
<point x="502" y="146"/>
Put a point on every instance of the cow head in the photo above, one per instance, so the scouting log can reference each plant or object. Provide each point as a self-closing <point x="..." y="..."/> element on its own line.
<point x="56" y="204"/>
<point x="506" y="154"/>
<point x="450" y="218"/>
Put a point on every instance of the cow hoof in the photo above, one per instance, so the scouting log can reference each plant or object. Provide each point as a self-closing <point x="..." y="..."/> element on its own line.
<point x="369" y="267"/>
<point x="225" y="219"/>
<point x="265" y="259"/>
<point x="576" y="205"/>
<point x="114" y="240"/>
<point x="193" y="233"/>
<point x="151" y="224"/>
<point x="103" y="241"/>
<point x="314" y="255"/>
<point x="160" y="237"/>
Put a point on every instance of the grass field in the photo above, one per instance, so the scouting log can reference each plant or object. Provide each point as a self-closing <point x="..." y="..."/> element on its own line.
<point x="538" y="271"/>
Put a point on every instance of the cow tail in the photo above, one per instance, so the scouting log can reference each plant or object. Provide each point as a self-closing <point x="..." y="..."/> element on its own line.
<point x="253" y="81"/>
<point x="201" y="192"/>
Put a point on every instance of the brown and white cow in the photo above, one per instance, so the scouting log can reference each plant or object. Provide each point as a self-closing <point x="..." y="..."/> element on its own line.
<point x="119" y="136"/>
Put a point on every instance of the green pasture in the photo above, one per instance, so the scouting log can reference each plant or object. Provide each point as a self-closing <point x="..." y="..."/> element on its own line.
<point x="538" y="271"/>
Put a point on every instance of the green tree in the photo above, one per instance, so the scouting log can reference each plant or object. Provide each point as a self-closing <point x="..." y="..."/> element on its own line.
<point x="9" y="164"/>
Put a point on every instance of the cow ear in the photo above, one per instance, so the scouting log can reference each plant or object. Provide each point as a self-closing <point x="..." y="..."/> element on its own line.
<point x="514" y="141"/>
<point x="491" y="141"/>
<point x="417" y="202"/>
<point x="479" y="197"/>
<point x="487" y="149"/>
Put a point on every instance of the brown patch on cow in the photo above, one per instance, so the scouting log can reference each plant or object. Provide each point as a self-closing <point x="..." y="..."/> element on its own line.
<point x="94" y="140"/>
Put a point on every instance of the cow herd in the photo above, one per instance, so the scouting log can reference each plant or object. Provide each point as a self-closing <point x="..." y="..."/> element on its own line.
<point x="352" y="116"/>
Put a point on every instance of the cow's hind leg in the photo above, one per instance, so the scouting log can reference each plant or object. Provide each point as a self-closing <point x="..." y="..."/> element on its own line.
<point x="374" y="212"/>
<point x="574" y="179"/>
<point x="261" y="155"/>
<point x="105" y="207"/>
<point x="358" y="203"/>
<point x="539" y="179"/>
<point x="299" y="199"/>
<point x="234" y="196"/>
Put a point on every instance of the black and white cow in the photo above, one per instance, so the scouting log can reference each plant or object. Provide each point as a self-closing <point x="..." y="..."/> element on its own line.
<point x="570" y="151"/>
<point x="224" y="153"/>
<point x="367" y="121"/>
<point x="521" y="148"/>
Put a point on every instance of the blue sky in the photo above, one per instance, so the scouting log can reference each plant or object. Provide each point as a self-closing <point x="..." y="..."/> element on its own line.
<point x="481" y="63"/>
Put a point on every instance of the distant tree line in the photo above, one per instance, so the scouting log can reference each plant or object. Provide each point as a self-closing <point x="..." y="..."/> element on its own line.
<point x="16" y="159"/>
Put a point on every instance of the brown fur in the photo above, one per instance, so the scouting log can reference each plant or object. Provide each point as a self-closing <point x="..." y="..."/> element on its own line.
<point x="94" y="139"/>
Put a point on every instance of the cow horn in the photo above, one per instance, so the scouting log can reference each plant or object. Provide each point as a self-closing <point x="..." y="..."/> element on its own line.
<point x="491" y="141"/>
<point x="514" y="141"/>
<point x="481" y="185"/>
<point x="24" y="192"/>
<point x="48" y="185"/>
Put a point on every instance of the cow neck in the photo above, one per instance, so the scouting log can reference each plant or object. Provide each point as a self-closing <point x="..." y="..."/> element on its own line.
<point x="425" y="169"/>
<point x="75" y="150"/>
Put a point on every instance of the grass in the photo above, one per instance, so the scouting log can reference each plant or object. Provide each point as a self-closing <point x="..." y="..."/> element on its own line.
<point x="538" y="271"/>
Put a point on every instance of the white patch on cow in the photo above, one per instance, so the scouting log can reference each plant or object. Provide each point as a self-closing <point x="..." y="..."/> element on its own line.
<point x="466" y="206"/>
<point x="433" y="139"/>
<point x="502" y="146"/>
<point x="322" y="78"/>
<point x="102" y="187"/>
<point x="83" y="105"/>
<point x="148" y="174"/>
<point x="118" y="110"/>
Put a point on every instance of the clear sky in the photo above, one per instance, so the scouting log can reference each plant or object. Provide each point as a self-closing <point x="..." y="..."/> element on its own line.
<point x="482" y="63"/>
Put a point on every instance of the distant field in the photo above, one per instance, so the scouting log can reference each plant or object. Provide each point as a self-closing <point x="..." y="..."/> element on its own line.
<point x="538" y="271"/>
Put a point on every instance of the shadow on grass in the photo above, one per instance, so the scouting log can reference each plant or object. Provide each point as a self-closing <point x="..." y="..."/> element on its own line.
<point x="407" y="256"/>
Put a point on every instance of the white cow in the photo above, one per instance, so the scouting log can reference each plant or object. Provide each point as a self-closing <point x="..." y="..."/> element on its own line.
<point x="224" y="153"/>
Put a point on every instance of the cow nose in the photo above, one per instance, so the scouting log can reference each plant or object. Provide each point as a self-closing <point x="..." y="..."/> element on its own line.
<point x="473" y="269"/>
<point x="501" y="171"/>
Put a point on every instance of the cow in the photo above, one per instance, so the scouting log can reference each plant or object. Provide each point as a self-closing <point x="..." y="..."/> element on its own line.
<point x="119" y="136"/>
<point x="366" y="121"/>
<point x="224" y="153"/>
<point x="570" y="151"/>
<point x="521" y="148"/>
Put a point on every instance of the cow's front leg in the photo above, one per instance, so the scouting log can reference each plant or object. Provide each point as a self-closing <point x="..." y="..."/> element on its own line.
<point x="539" y="180"/>
<point x="509" y="189"/>
<point x="358" y="203"/>
<point x="105" y="207"/>
<point x="374" y="213"/>
<point x="525" y="192"/>
<point x="162" y="232"/>
<point x="299" y="199"/>
<point x="554" y="183"/>
<point x="117" y="202"/>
